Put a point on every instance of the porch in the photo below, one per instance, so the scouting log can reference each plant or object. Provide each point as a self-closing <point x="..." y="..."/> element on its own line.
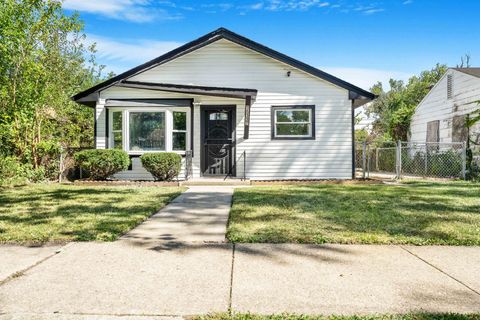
<point x="203" y="124"/>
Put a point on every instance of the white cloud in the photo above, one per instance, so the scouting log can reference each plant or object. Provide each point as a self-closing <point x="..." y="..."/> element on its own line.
<point x="368" y="10"/>
<point x="294" y="5"/>
<point x="132" y="10"/>
<point x="366" y="78"/>
<point x="118" y="56"/>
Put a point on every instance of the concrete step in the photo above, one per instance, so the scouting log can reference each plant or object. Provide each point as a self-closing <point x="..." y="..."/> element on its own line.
<point x="215" y="182"/>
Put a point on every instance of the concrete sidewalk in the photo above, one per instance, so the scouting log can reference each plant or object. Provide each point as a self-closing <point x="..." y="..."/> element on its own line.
<point x="130" y="279"/>
<point x="177" y="263"/>
<point x="200" y="214"/>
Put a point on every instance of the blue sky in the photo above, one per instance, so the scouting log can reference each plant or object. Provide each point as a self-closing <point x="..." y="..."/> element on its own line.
<point x="360" y="41"/>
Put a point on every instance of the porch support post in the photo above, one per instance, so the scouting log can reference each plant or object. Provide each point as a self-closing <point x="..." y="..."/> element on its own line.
<point x="248" y="104"/>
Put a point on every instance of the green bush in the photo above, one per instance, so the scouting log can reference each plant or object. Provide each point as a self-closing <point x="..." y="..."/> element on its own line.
<point x="14" y="172"/>
<point x="102" y="163"/>
<point x="9" y="168"/>
<point x="164" y="166"/>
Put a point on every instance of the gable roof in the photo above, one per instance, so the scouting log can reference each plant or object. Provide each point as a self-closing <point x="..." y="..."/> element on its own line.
<point x="90" y="95"/>
<point x="471" y="71"/>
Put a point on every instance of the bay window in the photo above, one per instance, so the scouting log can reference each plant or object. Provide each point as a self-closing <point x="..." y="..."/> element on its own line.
<point x="117" y="128"/>
<point x="293" y="122"/>
<point x="179" y="132"/>
<point x="149" y="130"/>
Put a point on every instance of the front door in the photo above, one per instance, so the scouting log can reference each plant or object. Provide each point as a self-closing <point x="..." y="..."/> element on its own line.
<point x="218" y="143"/>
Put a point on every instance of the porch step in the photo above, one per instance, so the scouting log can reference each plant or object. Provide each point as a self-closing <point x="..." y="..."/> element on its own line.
<point x="215" y="182"/>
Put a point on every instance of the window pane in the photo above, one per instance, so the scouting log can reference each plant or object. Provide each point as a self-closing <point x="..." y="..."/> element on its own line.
<point x="117" y="120"/>
<point x="179" y="141"/>
<point x="293" y="129"/>
<point x="293" y="116"/>
<point x="147" y="131"/>
<point x="218" y="116"/>
<point x="179" y="121"/>
<point x="117" y="140"/>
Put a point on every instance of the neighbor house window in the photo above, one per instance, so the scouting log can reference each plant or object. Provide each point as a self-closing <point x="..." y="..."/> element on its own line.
<point x="179" y="132"/>
<point x="117" y="126"/>
<point x="433" y="131"/>
<point x="147" y="131"/>
<point x="293" y="122"/>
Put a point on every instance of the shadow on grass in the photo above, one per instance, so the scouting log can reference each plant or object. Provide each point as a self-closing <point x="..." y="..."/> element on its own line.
<point x="42" y="213"/>
<point x="418" y="213"/>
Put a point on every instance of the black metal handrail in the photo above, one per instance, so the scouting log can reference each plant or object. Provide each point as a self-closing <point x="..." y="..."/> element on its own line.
<point x="243" y="156"/>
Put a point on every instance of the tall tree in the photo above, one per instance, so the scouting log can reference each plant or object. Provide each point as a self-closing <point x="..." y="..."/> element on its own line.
<point x="43" y="61"/>
<point x="393" y="109"/>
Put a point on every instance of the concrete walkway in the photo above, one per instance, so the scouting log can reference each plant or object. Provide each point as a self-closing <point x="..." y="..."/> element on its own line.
<point x="200" y="214"/>
<point x="177" y="264"/>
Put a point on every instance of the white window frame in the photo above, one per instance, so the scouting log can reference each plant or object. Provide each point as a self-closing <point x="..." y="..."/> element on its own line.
<point x="177" y="130"/>
<point x="168" y="127"/>
<point x="112" y="140"/>
<point x="311" y="114"/>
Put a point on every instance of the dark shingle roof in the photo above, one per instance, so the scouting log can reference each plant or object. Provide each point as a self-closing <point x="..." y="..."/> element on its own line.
<point x="222" y="33"/>
<point x="471" y="71"/>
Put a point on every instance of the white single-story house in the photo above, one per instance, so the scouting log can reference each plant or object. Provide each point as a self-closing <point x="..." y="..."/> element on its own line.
<point x="440" y="116"/>
<point x="242" y="109"/>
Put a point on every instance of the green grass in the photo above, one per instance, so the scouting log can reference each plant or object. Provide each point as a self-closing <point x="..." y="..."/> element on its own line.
<point x="419" y="316"/>
<point x="50" y="213"/>
<point x="412" y="213"/>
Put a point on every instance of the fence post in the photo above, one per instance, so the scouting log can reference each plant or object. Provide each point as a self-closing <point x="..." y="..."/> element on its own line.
<point x="398" y="159"/>
<point x="364" y="158"/>
<point x="464" y="160"/>
<point x="376" y="159"/>
<point x="426" y="159"/>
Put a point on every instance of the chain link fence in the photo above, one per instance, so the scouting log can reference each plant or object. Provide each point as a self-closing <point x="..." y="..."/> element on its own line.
<point x="411" y="160"/>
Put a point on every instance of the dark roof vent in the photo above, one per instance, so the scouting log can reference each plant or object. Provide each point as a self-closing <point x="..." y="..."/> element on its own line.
<point x="449" y="86"/>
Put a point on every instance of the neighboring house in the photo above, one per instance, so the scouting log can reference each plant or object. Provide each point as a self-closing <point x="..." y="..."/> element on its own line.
<point x="233" y="102"/>
<point x="440" y="116"/>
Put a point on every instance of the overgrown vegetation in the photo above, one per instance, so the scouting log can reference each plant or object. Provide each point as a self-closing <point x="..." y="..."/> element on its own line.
<point x="40" y="213"/>
<point x="164" y="166"/>
<point x="102" y="163"/>
<point x="393" y="109"/>
<point x="411" y="213"/>
<point x="473" y="169"/>
<point x="43" y="62"/>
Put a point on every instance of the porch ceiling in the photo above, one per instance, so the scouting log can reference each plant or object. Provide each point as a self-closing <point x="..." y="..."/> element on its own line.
<point x="239" y="93"/>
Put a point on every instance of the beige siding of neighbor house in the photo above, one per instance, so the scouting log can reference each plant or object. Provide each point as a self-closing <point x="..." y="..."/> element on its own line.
<point x="436" y="106"/>
<point x="225" y="64"/>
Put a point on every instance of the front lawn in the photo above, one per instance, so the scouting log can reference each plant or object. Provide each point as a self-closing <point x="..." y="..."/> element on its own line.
<point x="41" y="213"/>
<point x="414" y="316"/>
<point x="415" y="213"/>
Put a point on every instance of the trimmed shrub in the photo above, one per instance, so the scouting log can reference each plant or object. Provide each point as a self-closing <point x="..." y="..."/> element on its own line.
<point x="164" y="166"/>
<point x="102" y="163"/>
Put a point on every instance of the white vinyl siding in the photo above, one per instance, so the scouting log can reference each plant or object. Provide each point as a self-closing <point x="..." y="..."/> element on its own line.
<point x="100" y="123"/>
<point x="225" y="64"/>
<point x="437" y="106"/>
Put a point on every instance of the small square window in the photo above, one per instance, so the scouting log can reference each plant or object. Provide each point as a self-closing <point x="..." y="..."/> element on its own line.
<point x="293" y="122"/>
